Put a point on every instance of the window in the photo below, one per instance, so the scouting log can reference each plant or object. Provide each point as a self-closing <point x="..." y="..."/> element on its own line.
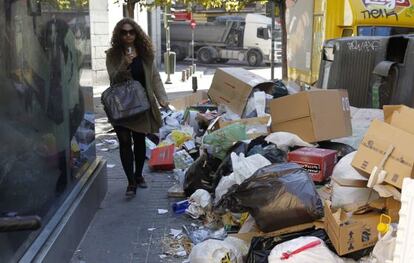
<point x="383" y="31"/>
<point x="263" y="33"/>
<point x="347" y="32"/>
<point x="46" y="117"/>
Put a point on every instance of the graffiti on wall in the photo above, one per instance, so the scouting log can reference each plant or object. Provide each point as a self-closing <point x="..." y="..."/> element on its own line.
<point x="376" y="9"/>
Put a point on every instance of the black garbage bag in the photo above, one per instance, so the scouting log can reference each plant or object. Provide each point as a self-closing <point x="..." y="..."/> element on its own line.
<point x="270" y="152"/>
<point x="202" y="175"/>
<point x="258" y="141"/>
<point x="226" y="166"/>
<point x="279" y="89"/>
<point x="341" y="148"/>
<point x="261" y="247"/>
<point x="277" y="196"/>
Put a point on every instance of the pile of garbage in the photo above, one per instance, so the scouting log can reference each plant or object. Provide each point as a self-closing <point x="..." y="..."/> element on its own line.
<point x="255" y="163"/>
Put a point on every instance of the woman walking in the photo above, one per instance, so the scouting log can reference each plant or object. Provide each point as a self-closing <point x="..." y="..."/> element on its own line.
<point x="131" y="57"/>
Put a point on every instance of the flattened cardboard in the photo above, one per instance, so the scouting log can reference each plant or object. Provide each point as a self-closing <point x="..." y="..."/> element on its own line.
<point x="190" y="100"/>
<point x="232" y="87"/>
<point x="288" y="230"/>
<point x="375" y="143"/>
<point x="353" y="234"/>
<point x="314" y="115"/>
<point x="260" y="121"/>
<point x="392" y="208"/>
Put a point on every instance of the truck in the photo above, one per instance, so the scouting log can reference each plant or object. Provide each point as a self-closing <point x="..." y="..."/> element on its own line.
<point x="310" y="23"/>
<point x="228" y="37"/>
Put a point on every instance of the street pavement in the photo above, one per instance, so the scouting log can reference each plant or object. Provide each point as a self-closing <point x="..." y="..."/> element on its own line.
<point x="121" y="229"/>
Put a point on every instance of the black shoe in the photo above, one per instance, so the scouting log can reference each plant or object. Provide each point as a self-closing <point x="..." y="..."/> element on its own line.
<point x="141" y="182"/>
<point x="131" y="191"/>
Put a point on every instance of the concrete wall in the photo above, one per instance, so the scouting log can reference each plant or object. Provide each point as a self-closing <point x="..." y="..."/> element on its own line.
<point x="104" y="16"/>
<point x="99" y="40"/>
<point x="155" y="33"/>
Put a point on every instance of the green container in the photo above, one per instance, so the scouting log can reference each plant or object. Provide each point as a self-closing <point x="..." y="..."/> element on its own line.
<point x="170" y="68"/>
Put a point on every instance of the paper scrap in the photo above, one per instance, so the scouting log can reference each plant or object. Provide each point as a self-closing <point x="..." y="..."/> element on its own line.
<point x="110" y="165"/>
<point x="181" y="253"/>
<point x="151" y="229"/>
<point x="162" y="211"/>
<point x="163" y="256"/>
<point x="104" y="149"/>
<point x="175" y="232"/>
<point x="111" y="141"/>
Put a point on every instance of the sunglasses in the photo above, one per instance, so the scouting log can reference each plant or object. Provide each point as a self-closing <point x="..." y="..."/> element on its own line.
<point x="128" y="32"/>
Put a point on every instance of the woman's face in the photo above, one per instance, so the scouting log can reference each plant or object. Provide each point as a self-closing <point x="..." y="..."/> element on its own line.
<point x="128" y="34"/>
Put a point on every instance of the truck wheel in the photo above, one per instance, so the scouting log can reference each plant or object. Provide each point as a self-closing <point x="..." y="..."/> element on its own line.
<point x="254" y="58"/>
<point x="204" y="55"/>
<point x="179" y="54"/>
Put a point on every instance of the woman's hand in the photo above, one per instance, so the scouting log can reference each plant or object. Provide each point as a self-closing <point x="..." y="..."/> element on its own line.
<point x="129" y="58"/>
<point x="164" y="104"/>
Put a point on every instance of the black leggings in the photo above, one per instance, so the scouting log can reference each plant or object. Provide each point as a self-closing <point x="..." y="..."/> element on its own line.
<point x="127" y="156"/>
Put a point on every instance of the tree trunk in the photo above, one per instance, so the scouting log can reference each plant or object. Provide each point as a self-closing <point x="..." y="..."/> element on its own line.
<point x="131" y="8"/>
<point x="282" y="10"/>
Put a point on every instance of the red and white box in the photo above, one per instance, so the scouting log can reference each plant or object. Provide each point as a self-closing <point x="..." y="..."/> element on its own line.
<point x="319" y="163"/>
<point x="162" y="158"/>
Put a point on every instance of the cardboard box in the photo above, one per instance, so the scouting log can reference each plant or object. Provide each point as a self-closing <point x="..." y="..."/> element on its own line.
<point x="232" y="87"/>
<point x="247" y="237"/>
<point x="400" y="117"/>
<point x="318" y="162"/>
<point x="314" y="116"/>
<point x="255" y="127"/>
<point x="376" y="142"/>
<point x="351" y="234"/>
<point x="190" y="100"/>
<point x="162" y="158"/>
<point x="392" y="208"/>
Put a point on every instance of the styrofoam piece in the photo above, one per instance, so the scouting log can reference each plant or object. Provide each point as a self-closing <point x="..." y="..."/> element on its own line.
<point x="404" y="252"/>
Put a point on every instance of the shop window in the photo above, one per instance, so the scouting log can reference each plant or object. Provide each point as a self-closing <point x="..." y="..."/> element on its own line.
<point x="46" y="117"/>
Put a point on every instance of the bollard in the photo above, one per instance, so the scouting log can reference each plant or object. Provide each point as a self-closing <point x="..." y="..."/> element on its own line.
<point x="191" y="70"/>
<point x="188" y="73"/>
<point x="194" y="84"/>
<point x="184" y="75"/>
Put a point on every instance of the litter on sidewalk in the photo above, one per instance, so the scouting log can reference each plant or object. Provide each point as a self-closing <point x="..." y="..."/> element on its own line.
<point x="260" y="174"/>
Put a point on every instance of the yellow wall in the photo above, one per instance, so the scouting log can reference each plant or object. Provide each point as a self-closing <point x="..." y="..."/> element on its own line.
<point x="332" y="16"/>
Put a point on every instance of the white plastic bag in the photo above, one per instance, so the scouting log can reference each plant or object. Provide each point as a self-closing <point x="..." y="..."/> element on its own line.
<point x="250" y="108"/>
<point x="200" y="203"/>
<point x="316" y="254"/>
<point x="244" y="167"/>
<point x="214" y="251"/>
<point x="344" y="195"/>
<point x="384" y="249"/>
<point x="260" y="103"/>
<point x="230" y="115"/>
<point x="284" y="140"/>
<point x="223" y="186"/>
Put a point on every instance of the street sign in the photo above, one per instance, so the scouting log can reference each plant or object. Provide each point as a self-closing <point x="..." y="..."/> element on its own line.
<point x="193" y="24"/>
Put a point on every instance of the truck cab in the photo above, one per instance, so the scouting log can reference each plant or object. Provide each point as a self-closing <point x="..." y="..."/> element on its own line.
<point x="258" y="39"/>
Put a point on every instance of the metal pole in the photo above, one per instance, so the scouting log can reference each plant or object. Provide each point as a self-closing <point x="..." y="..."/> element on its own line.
<point x="167" y="60"/>
<point x="192" y="48"/>
<point x="272" y="54"/>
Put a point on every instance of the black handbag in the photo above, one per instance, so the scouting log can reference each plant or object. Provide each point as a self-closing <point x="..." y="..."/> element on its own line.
<point x="125" y="101"/>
